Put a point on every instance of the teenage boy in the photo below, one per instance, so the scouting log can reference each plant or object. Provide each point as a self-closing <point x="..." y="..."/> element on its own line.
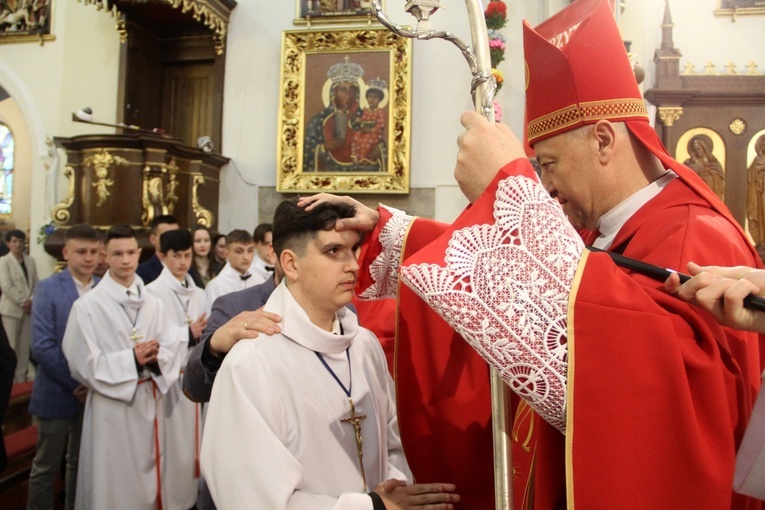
<point x="121" y="346"/>
<point x="185" y="306"/>
<point x="57" y="399"/>
<point x="235" y="275"/>
<point x="286" y="406"/>
<point x="262" y="267"/>
<point x="18" y="277"/>
<point x="150" y="268"/>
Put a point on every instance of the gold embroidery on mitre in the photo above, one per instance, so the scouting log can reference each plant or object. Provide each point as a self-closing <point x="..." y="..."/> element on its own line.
<point x="526" y="74"/>
<point x="612" y="109"/>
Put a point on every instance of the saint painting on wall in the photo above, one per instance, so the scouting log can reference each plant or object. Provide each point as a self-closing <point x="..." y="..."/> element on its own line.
<point x="22" y="20"/>
<point x="344" y="117"/>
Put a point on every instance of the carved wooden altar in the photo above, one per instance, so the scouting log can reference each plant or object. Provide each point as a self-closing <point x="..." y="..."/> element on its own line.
<point x="132" y="178"/>
<point x="713" y="120"/>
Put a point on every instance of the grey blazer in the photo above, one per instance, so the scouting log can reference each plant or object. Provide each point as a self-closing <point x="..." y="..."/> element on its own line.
<point x="14" y="285"/>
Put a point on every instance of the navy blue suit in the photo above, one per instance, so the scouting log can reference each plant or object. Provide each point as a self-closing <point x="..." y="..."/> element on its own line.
<point x="52" y="397"/>
<point x="198" y="379"/>
<point x="150" y="269"/>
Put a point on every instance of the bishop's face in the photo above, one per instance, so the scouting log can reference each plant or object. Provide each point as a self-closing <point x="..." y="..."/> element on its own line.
<point x="122" y="257"/>
<point x="570" y="174"/>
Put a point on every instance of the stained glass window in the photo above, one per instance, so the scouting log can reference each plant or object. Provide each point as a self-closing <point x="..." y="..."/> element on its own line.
<point x="6" y="167"/>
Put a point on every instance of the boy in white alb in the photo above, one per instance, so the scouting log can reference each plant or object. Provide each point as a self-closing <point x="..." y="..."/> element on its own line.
<point x="306" y="418"/>
<point x="180" y="422"/>
<point x="120" y="345"/>
<point x="235" y="275"/>
<point x="262" y="267"/>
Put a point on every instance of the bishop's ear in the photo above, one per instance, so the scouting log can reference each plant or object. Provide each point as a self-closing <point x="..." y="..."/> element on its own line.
<point x="290" y="264"/>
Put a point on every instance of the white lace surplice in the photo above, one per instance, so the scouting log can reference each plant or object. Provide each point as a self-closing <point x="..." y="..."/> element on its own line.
<point x="504" y="289"/>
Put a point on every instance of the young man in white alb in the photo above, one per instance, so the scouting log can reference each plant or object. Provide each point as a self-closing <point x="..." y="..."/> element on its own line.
<point x="262" y="267"/>
<point x="121" y="346"/>
<point x="306" y="418"/>
<point x="181" y="420"/>
<point x="235" y="275"/>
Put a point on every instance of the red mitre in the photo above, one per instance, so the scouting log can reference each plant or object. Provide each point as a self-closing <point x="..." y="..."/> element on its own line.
<point x="578" y="72"/>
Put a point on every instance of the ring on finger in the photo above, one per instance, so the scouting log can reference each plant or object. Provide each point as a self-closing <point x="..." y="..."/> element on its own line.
<point x="245" y="327"/>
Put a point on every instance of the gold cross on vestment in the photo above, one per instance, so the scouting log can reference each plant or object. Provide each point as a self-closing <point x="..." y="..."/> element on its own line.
<point x="136" y="336"/>
<point x="355" y="421"/>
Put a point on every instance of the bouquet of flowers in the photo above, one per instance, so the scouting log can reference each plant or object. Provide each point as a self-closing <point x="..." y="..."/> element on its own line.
<point x="496" y="18"/>
<point x="496" y="14"/>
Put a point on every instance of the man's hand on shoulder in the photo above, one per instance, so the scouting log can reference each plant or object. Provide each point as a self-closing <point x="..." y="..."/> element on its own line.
<point x="364" y="220"/>
<point x="244" y="325"/>
<point x="484" y="148"/>
<point x="397" y="495"/>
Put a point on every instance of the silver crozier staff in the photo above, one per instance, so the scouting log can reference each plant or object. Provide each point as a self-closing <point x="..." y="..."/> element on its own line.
<point x="483" y="88"/>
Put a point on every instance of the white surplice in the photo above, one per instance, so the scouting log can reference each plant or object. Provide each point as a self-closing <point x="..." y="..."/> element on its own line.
<point x="120" y="435"/>
<point x="180" y="420"/>
<point x="258" y="270"/>
<point x="228" y="280"/>
<point x="274" y="436"/>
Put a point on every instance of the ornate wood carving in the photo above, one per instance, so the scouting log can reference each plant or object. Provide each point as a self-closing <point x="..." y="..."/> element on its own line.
<point x="155" y="175"/>
<point x="728" y="108"/>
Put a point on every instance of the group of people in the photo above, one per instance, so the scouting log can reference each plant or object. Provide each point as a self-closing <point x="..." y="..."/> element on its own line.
<point x="628" y="392"/>
<point x="96" y="381"/>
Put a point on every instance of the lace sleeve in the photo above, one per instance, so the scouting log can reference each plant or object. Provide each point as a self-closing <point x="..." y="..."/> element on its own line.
<point x="384" y="268"/>
<point x="505" y="290"/>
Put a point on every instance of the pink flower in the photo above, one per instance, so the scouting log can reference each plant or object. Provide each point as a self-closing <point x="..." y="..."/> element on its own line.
<point x="497" y="44"/>
<point x="497" y="111"/>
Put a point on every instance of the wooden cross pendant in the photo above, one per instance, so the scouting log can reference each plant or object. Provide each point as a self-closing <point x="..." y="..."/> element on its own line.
<point x="355" y="421"/>
<point x="136" y="336"/>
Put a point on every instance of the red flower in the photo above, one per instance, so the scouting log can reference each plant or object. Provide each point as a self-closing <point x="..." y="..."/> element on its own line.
<point x="497" y="8"/>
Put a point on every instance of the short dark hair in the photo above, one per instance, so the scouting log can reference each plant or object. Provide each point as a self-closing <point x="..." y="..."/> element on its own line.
<point x="82" y="231"/>
<point x="176" y="240"/>
<point x="238" y="236"/>
<point x="18" y="234"/>
<point x="159" y="220"/>
<point x="294" y="226"/>
<point x="217" y="237"/>
<point x="120" y="232"/>
<point x="379" y="93"/>
<point x="259" y="235"/>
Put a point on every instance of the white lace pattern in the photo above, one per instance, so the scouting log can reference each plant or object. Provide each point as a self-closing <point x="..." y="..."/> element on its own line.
<point x="505" y="290"/>
<point x="384" y="269"/>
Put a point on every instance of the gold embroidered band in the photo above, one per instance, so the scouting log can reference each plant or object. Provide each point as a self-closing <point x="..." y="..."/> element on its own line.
<point x="611" y="109"/>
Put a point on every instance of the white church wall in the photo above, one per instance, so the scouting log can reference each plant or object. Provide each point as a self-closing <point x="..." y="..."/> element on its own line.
<point x="51" y="81"/>
<point x="698" y="34"/>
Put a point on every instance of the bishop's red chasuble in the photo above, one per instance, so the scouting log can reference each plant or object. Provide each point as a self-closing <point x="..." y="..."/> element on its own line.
<point x="655" y="395"/>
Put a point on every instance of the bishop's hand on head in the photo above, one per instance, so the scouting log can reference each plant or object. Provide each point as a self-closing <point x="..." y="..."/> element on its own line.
<point x="364" y="220"/>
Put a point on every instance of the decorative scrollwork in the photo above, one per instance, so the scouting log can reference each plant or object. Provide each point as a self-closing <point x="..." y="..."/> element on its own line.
<point x="60" y="213"/>
<point x="203" y="216"/>
<point x="158" y="195"/>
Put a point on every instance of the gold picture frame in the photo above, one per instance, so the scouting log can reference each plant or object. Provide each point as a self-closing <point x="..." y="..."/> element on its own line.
<point x="344" y="116"/>
<point x="26" y="21"/>
<point x="736" y="8"/>
<point x="331" y="12"/>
